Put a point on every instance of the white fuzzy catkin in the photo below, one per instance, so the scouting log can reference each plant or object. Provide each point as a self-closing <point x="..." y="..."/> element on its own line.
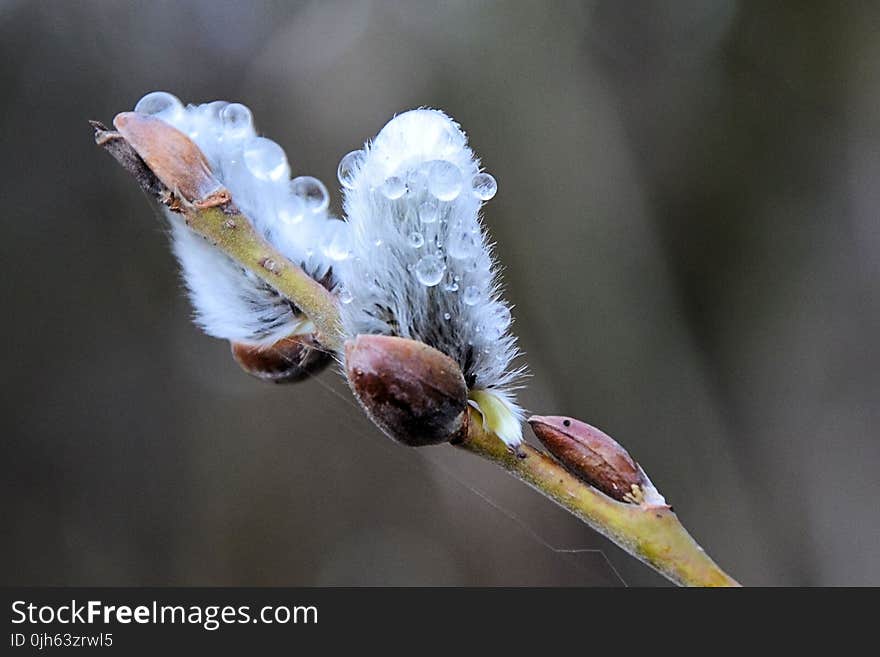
<point x="417" y="261"/>
<point x="229" y="301"/>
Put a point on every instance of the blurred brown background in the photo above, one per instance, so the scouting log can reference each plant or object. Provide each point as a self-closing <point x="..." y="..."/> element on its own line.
<point x="687" y="215"/>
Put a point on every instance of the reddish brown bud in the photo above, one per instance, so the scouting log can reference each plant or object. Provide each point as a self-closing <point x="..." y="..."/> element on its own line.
<point x="289" y="360"/>
<point x="414" y="393"/>
<point x="172" y="156"/>
<point x="591" y="455"/>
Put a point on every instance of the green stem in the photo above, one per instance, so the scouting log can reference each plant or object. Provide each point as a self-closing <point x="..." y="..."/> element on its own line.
<point x="649" y="532"/>
<point x="227" y="228"/>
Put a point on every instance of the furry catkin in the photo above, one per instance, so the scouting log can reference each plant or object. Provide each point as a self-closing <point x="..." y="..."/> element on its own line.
<point x="229" y="301"/>
<point x="419" y="264"/>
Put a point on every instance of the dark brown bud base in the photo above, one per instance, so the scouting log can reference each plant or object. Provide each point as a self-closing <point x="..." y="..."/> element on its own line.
<point x="414" y="393"/>
<point x="591" y="455"/>
<point x="289" y="360"/>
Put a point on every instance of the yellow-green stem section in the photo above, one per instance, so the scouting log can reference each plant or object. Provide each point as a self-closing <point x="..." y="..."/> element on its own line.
<point x="233" y="234"/>
<point x="650" y="533"/>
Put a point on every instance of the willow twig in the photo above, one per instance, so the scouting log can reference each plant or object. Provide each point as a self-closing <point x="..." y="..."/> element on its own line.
<point x="649" y="531"/>
<point x="171" y="168"/>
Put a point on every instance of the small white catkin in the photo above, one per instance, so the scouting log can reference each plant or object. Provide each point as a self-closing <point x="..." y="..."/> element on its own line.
<point x="418" y="263"/>
<point x="230" y="302"/>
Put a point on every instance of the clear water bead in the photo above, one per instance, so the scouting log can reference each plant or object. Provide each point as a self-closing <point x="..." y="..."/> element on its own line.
<point x="265" y="159"/>
<point x="312" y="191"/>
<point x="498" y="321"/>
<point x="480" y="265"/>
<point x="483" y="186"/>
<point x="447" y="316"/>
<point x="348" y="168"/>
<point x="237" y="120"/>
<point x="160" y="103"/>
<point x="292" y="210"/>
<point x="336" y="243"/>
<point x="345" y="295"/>
<point x="471" y="295"/>
<point x="417" y="180"/>
<point x="208" y="118"/>
<point x="393" y="188"/>
<point x="213" y="110"/>
<point x="429" y="270"/>
<point x="464" y="244"/>
<point x="416" y="240"/>
<point x="444" y="180"/>
<point x="429" y="211"/>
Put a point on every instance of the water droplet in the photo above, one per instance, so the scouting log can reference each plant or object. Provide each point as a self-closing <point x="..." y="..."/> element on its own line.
<point x="429" y="270"/>
<point x="428" y="212"/>
<point x="463" y="244"/>
<point x="444" y="180"/>
<point x="160" y="103"/>
<point x="237" y="120"/>
<point x="213" y="110"/>
<point x="429" y="126"/>
<point x="417" y="180"/>
<point x="393" y="188"/>
<point x="312" y="192"/>
<point x="345" y="295"/>
<point x="450" y="286"/>
<point x="498" y="320"/>
<point x="348" y="168"/>
<point x="292" y="210"/>
<point x="483" y="186"/>
<point x="336" y="243"/>
<point x="378" y="242"/>
<point x="416" y="240"/>
<point x="471" y="296"/>
<point x="265" y="159"/>
<point x="447" y="316"/>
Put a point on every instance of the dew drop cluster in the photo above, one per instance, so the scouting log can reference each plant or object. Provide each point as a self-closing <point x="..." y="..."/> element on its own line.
<point x="292" y="212"/>
<point x="424" y="190"/>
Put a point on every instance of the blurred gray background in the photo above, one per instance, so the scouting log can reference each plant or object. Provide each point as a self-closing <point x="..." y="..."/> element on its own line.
<point x="687" y="216"/>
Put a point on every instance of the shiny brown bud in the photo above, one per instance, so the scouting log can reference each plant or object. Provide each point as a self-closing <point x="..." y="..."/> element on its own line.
<point x="289" y="360"/>
<point x="172" y="156"/>
<point x="591" y="455"/>
<point x="414" y="393"/>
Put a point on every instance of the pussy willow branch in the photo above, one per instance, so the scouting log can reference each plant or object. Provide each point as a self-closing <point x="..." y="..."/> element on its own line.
<point x="649" y="532"/>
<point x="220" y="221"/>
<point x="217" y="219"/>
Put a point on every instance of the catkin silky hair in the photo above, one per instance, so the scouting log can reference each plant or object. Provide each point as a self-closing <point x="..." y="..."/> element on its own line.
<point x="420" y="265"/>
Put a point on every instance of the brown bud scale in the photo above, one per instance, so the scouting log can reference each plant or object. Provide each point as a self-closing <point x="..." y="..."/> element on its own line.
<point x="289" y="360"/>
<point x="172" y="156"/>
<point x="414" y="393"/>
<point x="590" y="455"/>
